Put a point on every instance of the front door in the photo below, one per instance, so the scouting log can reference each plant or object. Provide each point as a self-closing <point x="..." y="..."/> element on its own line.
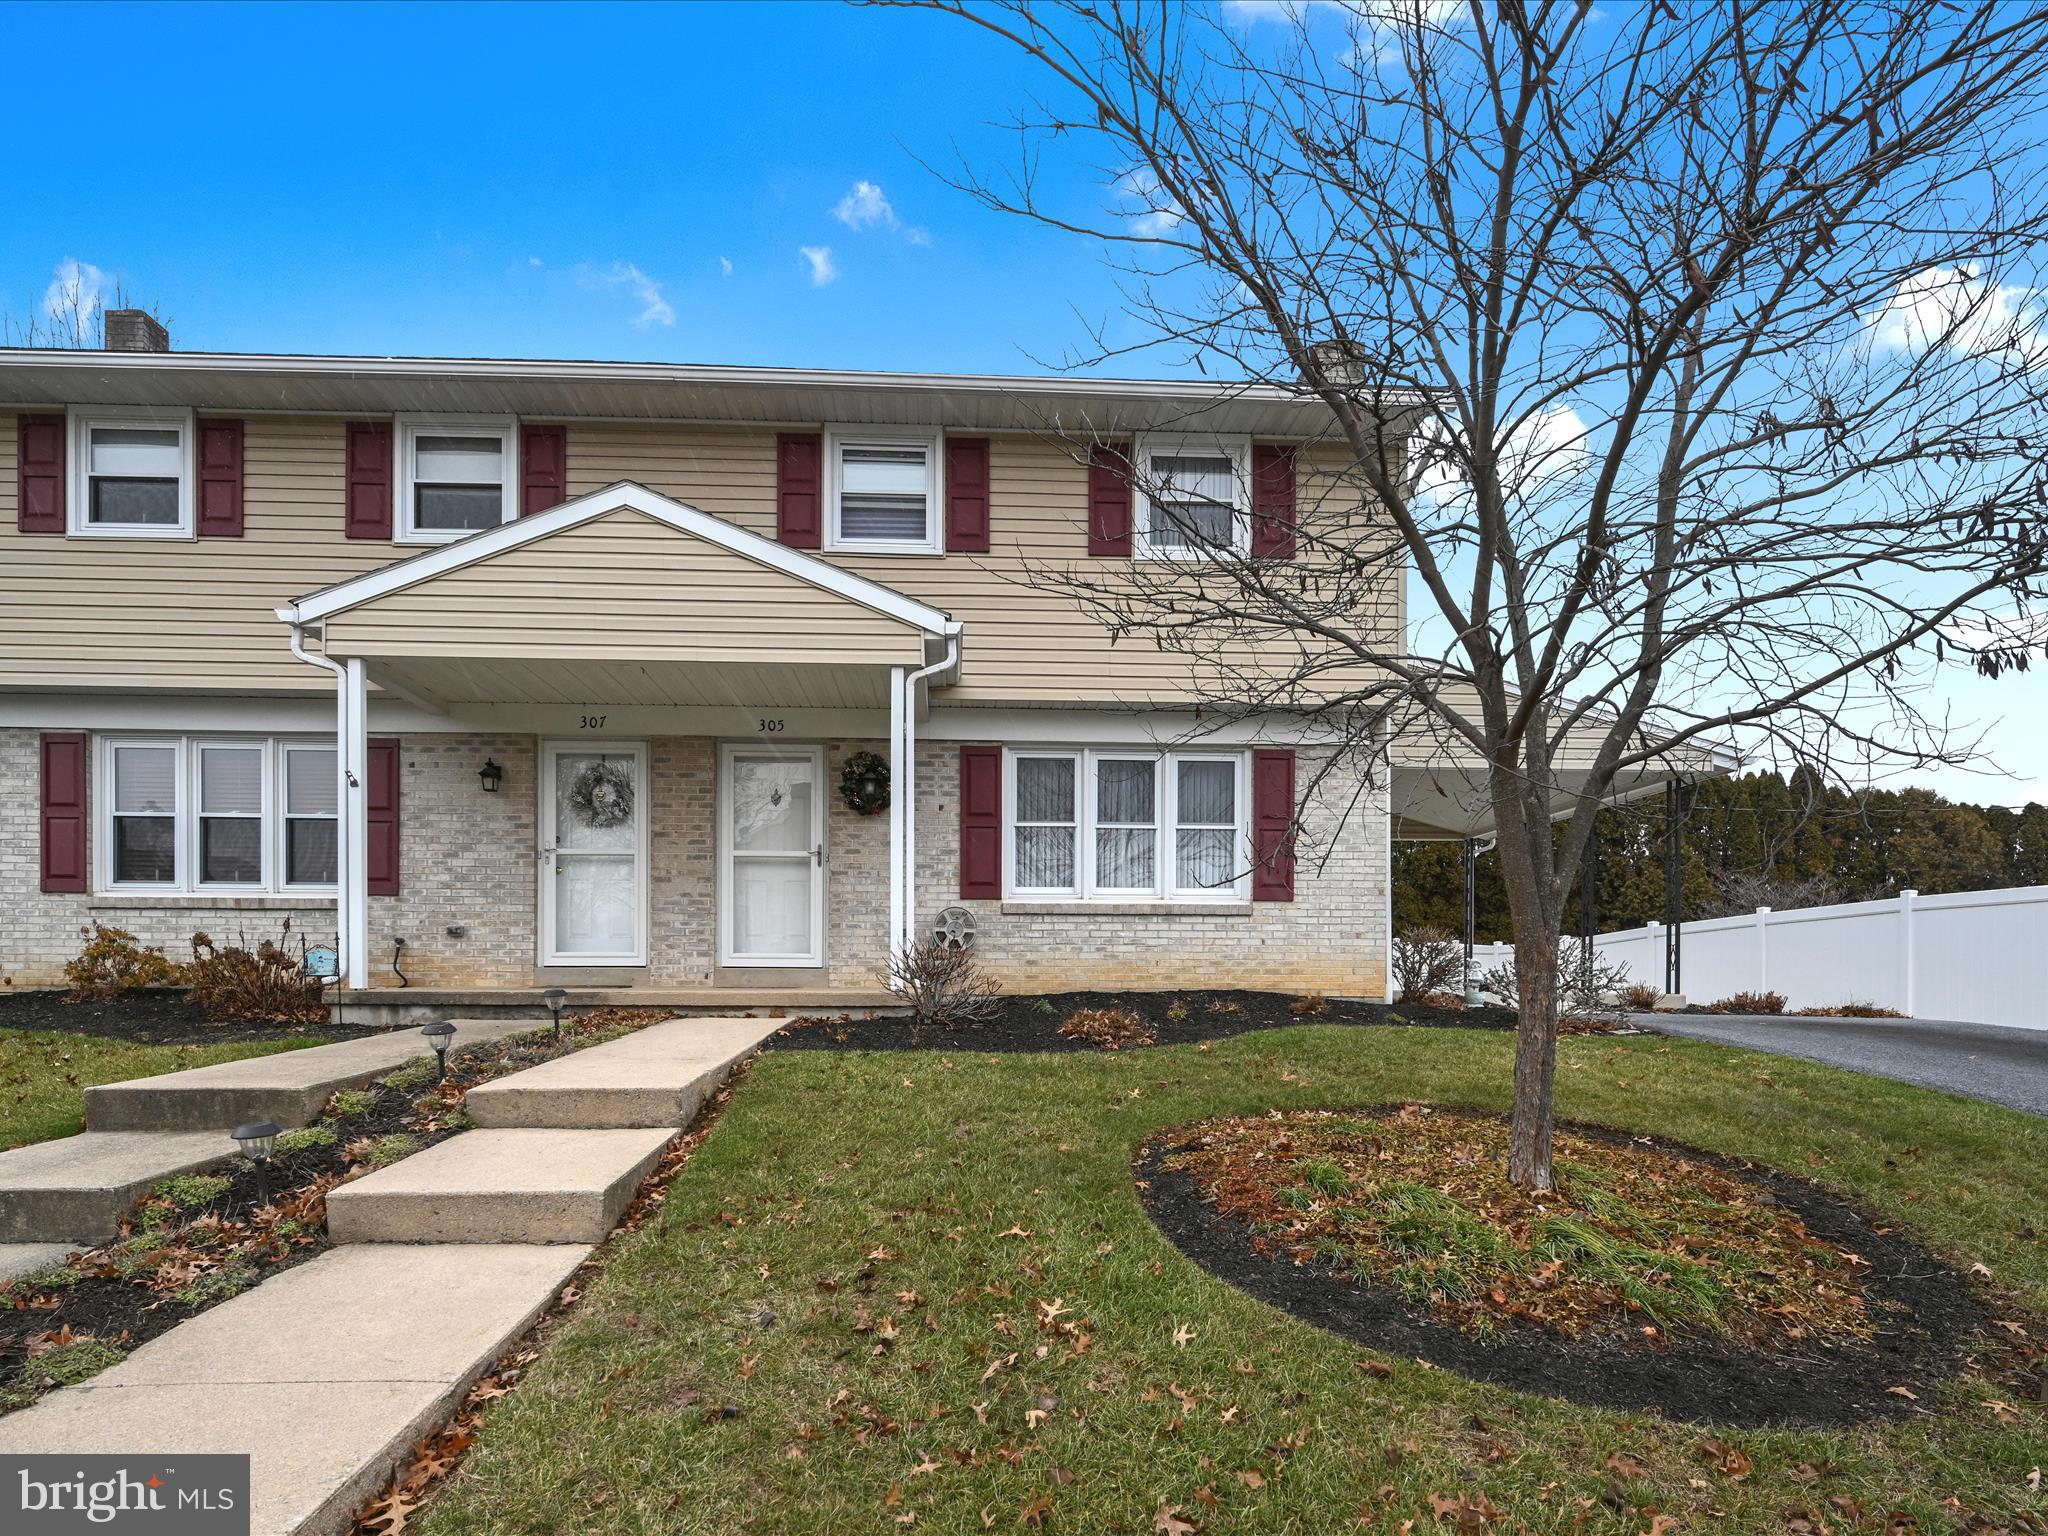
<point x="771" y="856"/>
<point x="593" y="853"/>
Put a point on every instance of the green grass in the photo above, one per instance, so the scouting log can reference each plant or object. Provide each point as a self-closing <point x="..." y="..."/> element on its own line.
<point x="44" y="1075"/>
<point x="862" y="1258"/>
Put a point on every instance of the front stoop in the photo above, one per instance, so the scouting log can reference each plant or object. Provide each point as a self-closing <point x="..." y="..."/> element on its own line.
<point x="290" y="1087"/>
<point x="517" y="1186"/>
<point x="77" y="1189"/>
<point x="660" y="1075"/>
<point x="325" y="1375"/>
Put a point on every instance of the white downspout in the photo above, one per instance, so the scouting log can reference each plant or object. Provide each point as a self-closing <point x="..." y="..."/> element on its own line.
<point x="906" y="787"/>
<point x="896" y="812"/>
<point x="346" y="941"/>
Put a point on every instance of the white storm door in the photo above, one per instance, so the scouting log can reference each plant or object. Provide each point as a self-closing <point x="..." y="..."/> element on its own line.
<point x="593" y="853"/>
<point x="771" y="839"/>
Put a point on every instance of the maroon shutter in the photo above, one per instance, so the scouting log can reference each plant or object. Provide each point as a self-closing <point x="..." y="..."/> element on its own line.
<point x="967" y="495"/>
<point x="800" y="489"/>
<point x="1272" y="501"/>
<point x="39" y="473"/>
<point x="64" y="811"/>
<point x="543" y="468"/>
<point x="1109" y="499"/>
<point x="368" y="493"/>
<point x="981" y="823"/>
<point x="220" y="479"/>
<point x="1273" y="824"/>
<point x="382" y="797"/>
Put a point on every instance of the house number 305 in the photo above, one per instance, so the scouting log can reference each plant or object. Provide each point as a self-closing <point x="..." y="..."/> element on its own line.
<point x="769" y="726"/>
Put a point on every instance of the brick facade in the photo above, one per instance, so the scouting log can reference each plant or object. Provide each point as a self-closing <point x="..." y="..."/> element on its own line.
<point x="468" y="862"/>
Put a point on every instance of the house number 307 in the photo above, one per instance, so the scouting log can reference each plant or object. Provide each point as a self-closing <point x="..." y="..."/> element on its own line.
<point x="593" y="722"/>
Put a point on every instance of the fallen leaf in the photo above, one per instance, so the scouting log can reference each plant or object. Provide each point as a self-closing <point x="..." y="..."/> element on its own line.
<point x="1182" y="1333"/>
<point x="1169" y="1523"/>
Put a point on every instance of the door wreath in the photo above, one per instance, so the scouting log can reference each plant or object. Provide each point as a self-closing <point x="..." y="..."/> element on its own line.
<point x="864" y="783"/>
<point x="602" y="795"/>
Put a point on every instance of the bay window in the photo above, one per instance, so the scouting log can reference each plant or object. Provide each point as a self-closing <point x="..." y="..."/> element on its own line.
<point x="238" y="815"/>
<point x="1121" y="825"/>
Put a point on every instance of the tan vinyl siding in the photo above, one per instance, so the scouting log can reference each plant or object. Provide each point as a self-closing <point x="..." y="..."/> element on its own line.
<point x="1022" y="642"/>
<point x="623" y="587"/>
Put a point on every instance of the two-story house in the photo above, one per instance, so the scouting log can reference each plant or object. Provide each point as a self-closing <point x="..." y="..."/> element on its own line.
<point x="502" y="674"/>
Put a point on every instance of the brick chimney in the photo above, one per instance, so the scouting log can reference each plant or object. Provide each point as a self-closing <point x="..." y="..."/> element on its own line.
<point x="136" y="330"/>
<point x="1342" y="361"/>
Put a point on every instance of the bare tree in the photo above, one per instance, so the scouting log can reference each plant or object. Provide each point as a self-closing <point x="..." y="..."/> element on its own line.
<point x="1691" y="354"/>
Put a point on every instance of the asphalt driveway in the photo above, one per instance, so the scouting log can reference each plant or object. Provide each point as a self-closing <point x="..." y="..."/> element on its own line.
<point x="1978" y="1061"/>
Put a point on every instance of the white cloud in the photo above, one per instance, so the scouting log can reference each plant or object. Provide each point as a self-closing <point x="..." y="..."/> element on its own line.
<point x="725" y="266"/>
<point x="868" y="207"/>
<point x="819" y="259"/>
<point x="654" y="309"/>
<point x="534" y="261"/>
<point x="1156" y="214"/>
<point x="75" y="298"/>
<point x="1549" y="446"/>
<point x="1963" y="309"/>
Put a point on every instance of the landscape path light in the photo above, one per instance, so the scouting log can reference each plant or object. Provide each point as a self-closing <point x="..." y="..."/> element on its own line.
<point x="256" y="1141"/>
<point x="554" y="997"/>
<point x="439" y="1037"/>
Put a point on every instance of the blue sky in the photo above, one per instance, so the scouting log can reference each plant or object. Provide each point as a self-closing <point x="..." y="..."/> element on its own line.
<point x="707" y="183"/>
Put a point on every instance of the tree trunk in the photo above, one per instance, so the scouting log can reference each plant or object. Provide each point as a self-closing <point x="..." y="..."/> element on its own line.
<point x="1535" y="1058"/>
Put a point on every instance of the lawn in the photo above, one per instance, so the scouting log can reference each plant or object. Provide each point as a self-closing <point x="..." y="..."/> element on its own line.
<point x="43" y="1075"/>
<point x="897" y="1290"/>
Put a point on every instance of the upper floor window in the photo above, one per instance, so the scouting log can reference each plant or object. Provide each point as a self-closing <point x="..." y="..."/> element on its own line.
<point x="1193" y="499"/>
<point x="134" y="475"/>
<point x="217" y="814"/>
<point x="884" y="493"/>
<point x="454" y="476"/>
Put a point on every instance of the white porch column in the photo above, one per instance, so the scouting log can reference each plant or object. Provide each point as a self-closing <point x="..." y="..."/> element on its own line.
<point x="898" y="824"/>
<point x="904" y="792"/>
<point x="353" y="898"/>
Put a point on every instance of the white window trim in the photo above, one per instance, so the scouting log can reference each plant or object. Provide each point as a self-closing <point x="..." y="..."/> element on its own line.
<point x="280" y="838"/>
<point x="933" y="442"/>
<point x="193" y="854"/>
<point x="1237" y="449"/>
<point x="78" y="427"/>
<point x="186" y="816"/>
<point x="411" y="429"/>
<point x="820" y="854"/>
<point x="1166" y="811"/>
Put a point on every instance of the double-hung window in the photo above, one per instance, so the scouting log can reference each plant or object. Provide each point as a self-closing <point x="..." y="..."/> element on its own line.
<point x="134" y="473"/>
<point x="884" y="493"/>
<point x="230" y="814"/>
<point x="1122" y="825"/>
<point x="454" y="476"/>
<point x="1194" y="500"/>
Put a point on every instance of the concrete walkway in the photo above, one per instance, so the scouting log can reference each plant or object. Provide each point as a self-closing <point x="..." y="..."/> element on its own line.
<point x="328" y="1374"/>
<point x="1978" y="1061"/>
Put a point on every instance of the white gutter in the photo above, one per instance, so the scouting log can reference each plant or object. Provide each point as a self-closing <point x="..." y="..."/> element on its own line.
<point x="907" y="792"/>
<point x="346" y="941"/>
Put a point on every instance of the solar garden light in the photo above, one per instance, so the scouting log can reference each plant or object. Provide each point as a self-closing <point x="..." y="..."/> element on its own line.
<point x="256" y="1141"/>
<point x="438" y="1036"/>
<point x="554" y="997"/>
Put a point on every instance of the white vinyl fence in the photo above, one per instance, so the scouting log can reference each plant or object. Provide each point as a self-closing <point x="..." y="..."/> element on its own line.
<point x="1977" y="956"/>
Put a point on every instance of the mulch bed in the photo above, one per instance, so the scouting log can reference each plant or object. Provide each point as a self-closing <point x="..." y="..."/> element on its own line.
<point x="234" y="1229"/>
<point x="1175" y="1018"/>
<point x="156" y="1016"/>
<point x="1689" y="1376"/>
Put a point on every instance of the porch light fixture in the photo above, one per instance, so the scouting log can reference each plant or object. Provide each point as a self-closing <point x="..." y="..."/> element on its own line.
<point x="554" y="997"/>
<point x="490" y="776"/>
<point x="439" y="1035"/>
<point x="256" y="1142"/>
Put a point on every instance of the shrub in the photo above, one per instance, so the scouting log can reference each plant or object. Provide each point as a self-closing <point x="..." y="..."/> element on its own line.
<point x="1312" y="1006"/>
<point x="1427" y="960"/>
<point x="267" y="985"/>
<point x="1638" y="996"/>
<point x="113" y="964"/>
<point x="1110" y="1028"/>
<point x="1853" y="1009"/>
<point x="1750" y="1002"/>
<point x="942" y="985"/>
<point x="1176" y="1012"/>
<point x="1579" y="990"/>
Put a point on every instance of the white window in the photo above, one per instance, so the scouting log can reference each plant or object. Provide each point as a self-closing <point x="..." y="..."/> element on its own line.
<point x="134" y="474"/>
<point x="1193" y="499"/>
<point x="884" y="494"/>
<point x="454" y="476"/>
<point x="242" y="814"/>
<point x="1117" y="825"/>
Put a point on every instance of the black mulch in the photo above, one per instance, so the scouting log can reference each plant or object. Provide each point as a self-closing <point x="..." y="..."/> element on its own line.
<point x="152" y="1017"/>
<point x="1928" y="1316"/>
<point x="1033" y="1023"/>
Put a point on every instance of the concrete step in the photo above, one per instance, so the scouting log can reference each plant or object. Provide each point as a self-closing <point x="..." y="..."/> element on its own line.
<point x="326" y="1375"/>
<point x="290" y="1087"/>
<point x="78" y="1188"/>
<point x="18" y="1259"/>
<point x="500" y="1186"/>
<point x="660" y="1075"/>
